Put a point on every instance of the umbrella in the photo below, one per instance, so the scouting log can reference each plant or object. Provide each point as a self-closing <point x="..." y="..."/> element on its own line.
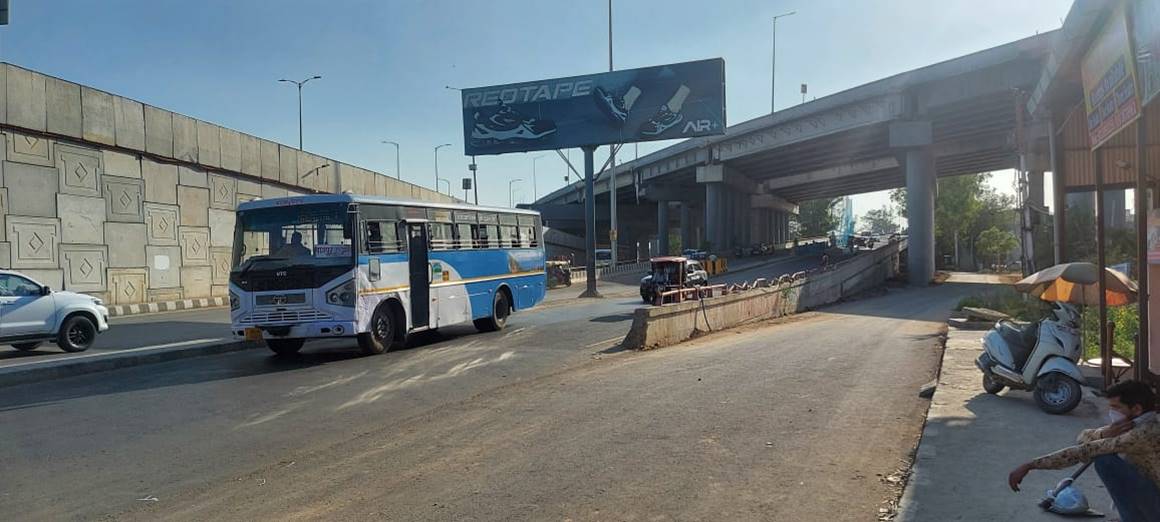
<point x="1078" y="283"/>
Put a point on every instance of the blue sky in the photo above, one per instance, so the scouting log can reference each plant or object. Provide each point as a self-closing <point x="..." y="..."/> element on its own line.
<point x="385" y="63"/>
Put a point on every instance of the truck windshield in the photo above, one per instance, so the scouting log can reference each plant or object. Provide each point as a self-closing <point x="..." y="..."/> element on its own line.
<point x="316" y="235"/>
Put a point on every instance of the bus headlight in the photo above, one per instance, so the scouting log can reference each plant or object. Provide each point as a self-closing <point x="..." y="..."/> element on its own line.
<point x="234" y="302"/>
<point x="342" y="295"/>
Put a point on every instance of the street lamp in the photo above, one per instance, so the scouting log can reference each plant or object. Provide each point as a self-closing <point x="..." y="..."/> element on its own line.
<point x="437" y="147"/>
<point x="398" y="172"/>
<point x="773" y="62"/>
<point x="535" y="191"/>
<point x="445" y="181"/>
<point x="300" y="84"/>
<point x="510" y="183"/>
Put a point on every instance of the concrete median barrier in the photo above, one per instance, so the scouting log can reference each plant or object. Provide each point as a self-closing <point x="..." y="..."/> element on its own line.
<point x="659" y="326"/>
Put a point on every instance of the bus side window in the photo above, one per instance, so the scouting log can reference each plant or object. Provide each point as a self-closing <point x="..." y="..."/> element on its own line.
<point x="440" y="236"/>
<point x="528" y="237"/>
<point x="464" y="236"/>
<point x="382" y="237"/>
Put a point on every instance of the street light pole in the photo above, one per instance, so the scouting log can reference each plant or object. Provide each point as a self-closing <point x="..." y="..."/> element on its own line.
<point x="773" y="62"/>
<point x="398" y="171"/>
<point x="300" y="84"/>
<point x="613" y="231"/>
<point x="448" y="182"/>
<point x="510" y="183"/>
<point x="535" y="191"/>
<point x="437" y="147"/>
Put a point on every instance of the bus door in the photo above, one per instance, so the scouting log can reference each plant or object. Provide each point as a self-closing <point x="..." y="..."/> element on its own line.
<point x="420" y="274"/>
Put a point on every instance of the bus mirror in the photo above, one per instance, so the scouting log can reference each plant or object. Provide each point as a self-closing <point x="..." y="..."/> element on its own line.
<point x="374" y="269"/>
<point x="347" y="230"/>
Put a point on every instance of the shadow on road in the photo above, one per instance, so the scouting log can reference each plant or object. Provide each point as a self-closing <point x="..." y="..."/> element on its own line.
<point x="132" y="335"/>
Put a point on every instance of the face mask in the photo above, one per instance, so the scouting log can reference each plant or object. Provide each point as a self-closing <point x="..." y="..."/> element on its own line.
<point x="1115" y="416"/>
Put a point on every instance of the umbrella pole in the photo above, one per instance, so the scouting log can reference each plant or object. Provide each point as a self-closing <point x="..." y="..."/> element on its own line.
<point x="1101" y="261"/>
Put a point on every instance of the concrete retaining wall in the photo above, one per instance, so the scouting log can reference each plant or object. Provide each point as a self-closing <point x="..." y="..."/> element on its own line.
<point x="658" y="326"/>
<point x="108" y="196"/>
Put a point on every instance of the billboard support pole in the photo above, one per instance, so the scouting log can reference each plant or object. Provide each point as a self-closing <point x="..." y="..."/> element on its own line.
<point x="589" y="224"/>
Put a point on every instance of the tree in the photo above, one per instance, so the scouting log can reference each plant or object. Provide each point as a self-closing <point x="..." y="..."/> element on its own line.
<point x="816" y="217"/>
<point x="996" y="243"/>
<point x="898" y="199"/>
<point x="880" y="221"/>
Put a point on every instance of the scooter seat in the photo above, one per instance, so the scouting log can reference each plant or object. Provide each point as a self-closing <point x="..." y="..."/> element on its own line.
<point x="1020" y="340"/>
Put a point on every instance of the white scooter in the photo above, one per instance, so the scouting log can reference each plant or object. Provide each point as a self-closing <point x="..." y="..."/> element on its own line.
<point x="1040" y="356"/>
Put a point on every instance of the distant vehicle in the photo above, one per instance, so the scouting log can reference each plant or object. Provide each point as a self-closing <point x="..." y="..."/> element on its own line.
<point x="32" y="314"/>
<point x="693" y="253"/>
<point x="668" y="273"/>
<point x="603" y="257"/>
<point x="339" y="265"/>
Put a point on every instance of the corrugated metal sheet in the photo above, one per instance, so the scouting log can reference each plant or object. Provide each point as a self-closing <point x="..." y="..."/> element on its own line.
<point x="1078" y="167"/>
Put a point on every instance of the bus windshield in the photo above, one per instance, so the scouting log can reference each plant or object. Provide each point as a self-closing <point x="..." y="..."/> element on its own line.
<point x="313" y="235"/>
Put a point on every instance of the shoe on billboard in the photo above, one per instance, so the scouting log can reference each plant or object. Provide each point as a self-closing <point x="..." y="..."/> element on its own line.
<point x="661" y="122"/>
<point x="508" y="124"/>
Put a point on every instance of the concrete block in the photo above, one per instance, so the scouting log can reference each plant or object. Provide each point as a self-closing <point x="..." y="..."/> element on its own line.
<point x="3" y="93"/>
<point x="251" y="188"/>
<point x="128" y="240"/>
<point x="64" y="107"/>
<point x="31" y="189"/>
<point x="231" y="149"/>
<point x="272" y="191"/>
<point x="209" y="150"/>
<point x="160" y="181"/>
<point x="164" y="266"/>
<point x="82" y="219"/>
<point x="79" y="170"/>
<point x="54" y="278"/>
<point x="5" y="250"/>
<point x="158" y="131"/>
<point x="316" y="172"/>
<point x="195" y="281"/>
<point x="127" y="285"/>
<point x="287" y="165"/>
<point x="26" y="99"/>
<point x="191" y="177"/>
<point x="194" y="246"/>
<point x="251" y="156"/>
<point x="194" y="203"/>
<point x="84" y="267"/>
<point x="221" y="228"/>
<point x="97" y="118"/>
<point x="124" y="198"/>
<point x="162" y="295"/>
<point x="910" y="133"/>
<point x="220" y="260"/>
<point x="3" y="211"/>
<point x="223" y="192"/>
<point x="270" y="166"/>
<point x="33" y="150"/>
<point x="219" y="290"/>
<point x="161" y="224"/>
<point x="121" y="164"/>
<point x="35" y="241"/>
<point x="184" y="138"/>
<point x="129" y="120"/>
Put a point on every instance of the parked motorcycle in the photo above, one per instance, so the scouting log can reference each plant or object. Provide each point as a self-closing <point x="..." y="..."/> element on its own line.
<point x="1039" y="356"/>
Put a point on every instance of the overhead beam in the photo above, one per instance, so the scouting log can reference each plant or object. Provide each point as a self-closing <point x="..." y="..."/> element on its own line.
<point x="833" y="173"/>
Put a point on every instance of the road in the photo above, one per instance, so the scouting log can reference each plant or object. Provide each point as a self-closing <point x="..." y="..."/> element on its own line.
<point x="541" y="421"/>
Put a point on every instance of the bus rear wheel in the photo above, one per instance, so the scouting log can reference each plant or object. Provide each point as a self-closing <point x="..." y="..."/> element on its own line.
<point x="501" y="308"/>
<point x="381" y="336"/>
<point x="285" y="347"/>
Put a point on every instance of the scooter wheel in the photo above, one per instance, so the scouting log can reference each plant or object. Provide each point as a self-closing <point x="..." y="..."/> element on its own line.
<point x="1057" y="394"/>
<point x="991" y="385"/>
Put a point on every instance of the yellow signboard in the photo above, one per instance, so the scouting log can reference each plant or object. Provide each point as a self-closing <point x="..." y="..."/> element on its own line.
<point x="1109" y="81"/>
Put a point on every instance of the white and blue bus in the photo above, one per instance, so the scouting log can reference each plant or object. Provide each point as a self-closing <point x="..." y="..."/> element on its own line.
<point x="340" y="265"/>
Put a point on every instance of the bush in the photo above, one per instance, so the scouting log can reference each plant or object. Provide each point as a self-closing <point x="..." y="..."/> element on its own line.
<point x="1007" y="300"/>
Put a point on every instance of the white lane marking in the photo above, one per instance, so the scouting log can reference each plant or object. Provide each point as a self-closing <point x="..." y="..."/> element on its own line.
<point x="514" y="332"/>
<point x="193" y="342"/>
<point x="606" y="341"/>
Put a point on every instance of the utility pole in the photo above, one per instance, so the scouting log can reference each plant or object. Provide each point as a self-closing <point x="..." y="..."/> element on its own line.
<point x="773" y="63"/>
<point x="437" y="147"/>
<point x="614" y="231"/>
<point x="300" y="84"/>
<point x="474" y="182"/>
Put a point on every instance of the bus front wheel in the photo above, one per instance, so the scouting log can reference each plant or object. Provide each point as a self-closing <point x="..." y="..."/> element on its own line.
<point x="501" y="308"/>
<point x="382" y="332"/>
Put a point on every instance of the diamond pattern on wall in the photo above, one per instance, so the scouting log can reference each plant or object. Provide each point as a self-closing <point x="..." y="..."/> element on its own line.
<point x="161" y="221"/>
<point x="35" y="241"/>
<point x="84" y="267"/>
<point x="123" y="197"/>
<point x="80" y="170"/>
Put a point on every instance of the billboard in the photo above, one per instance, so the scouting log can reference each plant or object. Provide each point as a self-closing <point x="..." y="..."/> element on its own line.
<point x="1109" y="81"/>
<point x="1146" y="30"/>
<point x="681" y="100"/>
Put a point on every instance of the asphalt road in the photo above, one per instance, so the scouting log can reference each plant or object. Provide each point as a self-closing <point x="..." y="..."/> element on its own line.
<point x="779" y="422"/>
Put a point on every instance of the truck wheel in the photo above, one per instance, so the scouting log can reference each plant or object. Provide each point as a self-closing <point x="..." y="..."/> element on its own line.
<point x="1056" y="393"/>
<point x="381" y="336"/>
<point x="500" y="310"/>
<point x="285" y="347"/>
<point x="991" y="385"/>
<point x="76" y="334"/>
<point x="26" y="347"/>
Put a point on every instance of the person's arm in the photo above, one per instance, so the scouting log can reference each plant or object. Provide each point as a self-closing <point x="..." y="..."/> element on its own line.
<point x="1091" y="435"/>
<point x="1121" y="443"/>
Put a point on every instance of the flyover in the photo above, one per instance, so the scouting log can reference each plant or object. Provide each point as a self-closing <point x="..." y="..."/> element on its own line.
<point x="952" y="118"/>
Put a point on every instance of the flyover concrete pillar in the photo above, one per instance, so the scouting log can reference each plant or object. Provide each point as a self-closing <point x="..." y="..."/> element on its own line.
<point x="714" y="215"/>
<point x="1035" y="188"/>
<point x="686" y="235"/>
<point x="920" y="187"/>
<point x="663" y="228"/>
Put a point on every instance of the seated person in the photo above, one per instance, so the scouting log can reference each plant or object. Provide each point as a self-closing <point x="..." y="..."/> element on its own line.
<point x="294" y="249"/>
